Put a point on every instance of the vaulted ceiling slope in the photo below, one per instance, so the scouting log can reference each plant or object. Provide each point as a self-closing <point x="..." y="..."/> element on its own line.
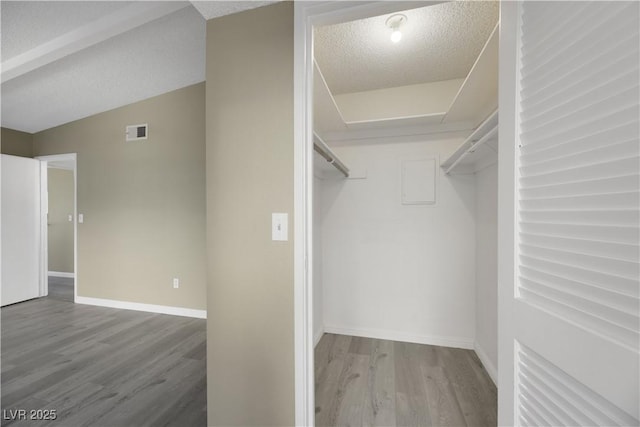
<point x="66" y="60"/>
<point x="76" y="59"/>
<point x="439" y="42"/>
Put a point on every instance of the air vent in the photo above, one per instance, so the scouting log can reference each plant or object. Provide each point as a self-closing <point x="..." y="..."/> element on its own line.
<point x="137" y="132"/>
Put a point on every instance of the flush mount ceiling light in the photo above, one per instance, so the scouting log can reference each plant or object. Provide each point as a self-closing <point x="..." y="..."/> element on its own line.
<point x="394" y="22"/>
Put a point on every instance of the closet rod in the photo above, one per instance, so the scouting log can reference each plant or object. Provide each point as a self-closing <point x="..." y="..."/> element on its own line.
<point x="323" y="149"/>
<point x="487" y="136"/>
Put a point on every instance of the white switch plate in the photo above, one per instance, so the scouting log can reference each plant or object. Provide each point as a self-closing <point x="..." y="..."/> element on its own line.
<point x="80" y="218"/>
<point x="176" y="283"/>
<point x="70" y="218"/>
<point x="279" y="226"/>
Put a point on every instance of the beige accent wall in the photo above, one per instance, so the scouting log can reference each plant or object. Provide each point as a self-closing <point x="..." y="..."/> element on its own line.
<point x="143" y="202"/>
<point x="16" y="143"/>
<point x="250" y="353"/>
<point x="59" y="228"/>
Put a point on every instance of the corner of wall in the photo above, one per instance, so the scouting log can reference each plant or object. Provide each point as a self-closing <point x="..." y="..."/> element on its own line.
<point x="317" y="335"/>
<point x="486" y="362"/>
<point x="16" y="143"/>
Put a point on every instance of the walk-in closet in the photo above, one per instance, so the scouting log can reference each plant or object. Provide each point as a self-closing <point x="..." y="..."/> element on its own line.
<point x="405" y="217"/>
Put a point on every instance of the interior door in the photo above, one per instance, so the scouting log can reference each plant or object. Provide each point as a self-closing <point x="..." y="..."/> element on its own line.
<point x="569" y="188"/>
<point x="20" y="229"/>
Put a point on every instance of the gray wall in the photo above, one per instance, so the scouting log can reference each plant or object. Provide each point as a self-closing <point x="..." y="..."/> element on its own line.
<point x="16" y="143"/>
<point x="59" y="228"/>
<point x="250" y="353"/>
<point x="143" y="202"/>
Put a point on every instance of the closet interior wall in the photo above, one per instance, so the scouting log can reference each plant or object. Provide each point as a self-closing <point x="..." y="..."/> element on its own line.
<point x="486" y="239"/>
<point x="417" y="273"/>
<point x="394" y="271"/>
<point x="318" y="314"/>
<point x="385" y="268"/>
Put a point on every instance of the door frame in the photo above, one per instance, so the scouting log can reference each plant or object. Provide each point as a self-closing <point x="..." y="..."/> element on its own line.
<point x="66" y="161"/>
<point x="306" y="16"/>
<point x="507" y="219"/>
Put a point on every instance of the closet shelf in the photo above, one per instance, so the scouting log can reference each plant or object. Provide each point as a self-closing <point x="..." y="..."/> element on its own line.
<point x="323" y="150"/>
<point x="478" y="150"/>
<point x="478" y="95"/>
<point x="475" y="99"/>
<point x="422" y="119"/>
<point x="326" y="115"/>
<point x="328" y="118"/>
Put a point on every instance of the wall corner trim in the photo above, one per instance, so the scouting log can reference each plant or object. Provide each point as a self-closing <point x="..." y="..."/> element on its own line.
<point x="455" y="342"/>
<point x="486" y="362"/>
<point x="151" y="308"/>
<point x="318" y="336"/>
<point x="61" y="274"/>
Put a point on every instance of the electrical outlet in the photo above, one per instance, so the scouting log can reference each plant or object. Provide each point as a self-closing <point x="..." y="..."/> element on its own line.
<point x="176" y="283"/>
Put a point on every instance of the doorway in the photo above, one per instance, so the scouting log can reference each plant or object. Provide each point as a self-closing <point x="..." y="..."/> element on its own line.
<point x="59" y="226"/>
<point x="406" y="140"/>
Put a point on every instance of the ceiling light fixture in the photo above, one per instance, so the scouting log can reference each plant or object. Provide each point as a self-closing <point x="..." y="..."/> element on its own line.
<point x="394" y="22"/>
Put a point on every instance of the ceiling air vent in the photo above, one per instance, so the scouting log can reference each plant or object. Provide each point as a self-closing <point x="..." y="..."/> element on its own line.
<point x="137" y="132"/>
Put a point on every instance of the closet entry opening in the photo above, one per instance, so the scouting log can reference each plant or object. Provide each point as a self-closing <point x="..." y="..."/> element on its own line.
<point x="403" y="271"/>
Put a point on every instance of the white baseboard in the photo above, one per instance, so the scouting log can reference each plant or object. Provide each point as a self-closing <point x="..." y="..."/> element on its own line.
<point x="61" y="274"/>
<point x="151" y="308"/>
<point x="317" y="336"/>
<point x="455" y="342"/>
<point x="486" y="362"/>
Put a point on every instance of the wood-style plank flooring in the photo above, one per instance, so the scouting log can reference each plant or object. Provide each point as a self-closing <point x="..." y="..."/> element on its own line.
<point x="61" y="288"/>
<point x="101" y="367"/>
<point x="371" y="382"/>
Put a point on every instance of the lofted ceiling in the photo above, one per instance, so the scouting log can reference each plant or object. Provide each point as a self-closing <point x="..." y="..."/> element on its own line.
<point x="65" y="60"/>
<point x="18" y="38"/>
<point x="439" y="42"/>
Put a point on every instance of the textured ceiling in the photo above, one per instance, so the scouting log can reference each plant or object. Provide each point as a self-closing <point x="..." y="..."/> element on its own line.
<point x="86" y="57"/>
<point x="439" y="42"/>
<point x="131" y="62"/>
<point x="46" y="20"/>
<point x="158" y="57"/>
<point x="213" y="9"/>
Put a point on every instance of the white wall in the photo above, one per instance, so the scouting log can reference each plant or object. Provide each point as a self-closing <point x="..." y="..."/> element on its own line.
<point x="318" y="318"/>
<point x="486" y="344"/>
<point x="399" y="272"/>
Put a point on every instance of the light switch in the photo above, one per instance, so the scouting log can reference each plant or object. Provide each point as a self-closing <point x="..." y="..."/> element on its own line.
<point x="279" y="226"/>
<point x="80" y="218"/>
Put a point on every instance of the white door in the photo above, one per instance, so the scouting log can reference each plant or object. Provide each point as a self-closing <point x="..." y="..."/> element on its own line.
<point x="569" y="218"/>
<point x="20" y="229"/>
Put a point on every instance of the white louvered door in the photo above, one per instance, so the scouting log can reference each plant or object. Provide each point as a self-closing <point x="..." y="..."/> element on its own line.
<point x="574" y="302"/>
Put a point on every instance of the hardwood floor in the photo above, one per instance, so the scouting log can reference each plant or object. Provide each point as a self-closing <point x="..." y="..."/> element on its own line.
<point x="105" y="367"/>
<point x="102" y="367"/>
<point x="370" y="382"/>
<point x="61" y="288"/>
